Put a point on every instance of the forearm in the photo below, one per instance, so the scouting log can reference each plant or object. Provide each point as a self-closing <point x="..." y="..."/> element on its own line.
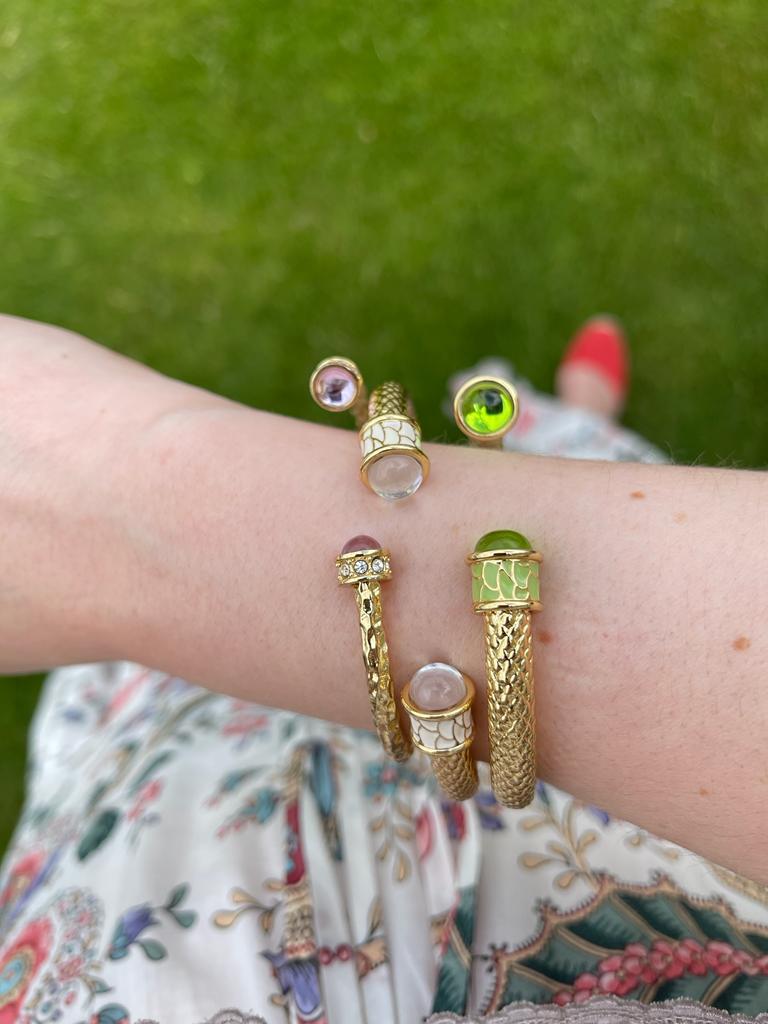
<point x="206" y="547"/>
<point x="650" y="654"/>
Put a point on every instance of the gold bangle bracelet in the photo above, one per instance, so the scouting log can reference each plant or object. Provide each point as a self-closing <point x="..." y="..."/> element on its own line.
<point x="364" y="564"/>
<point x="393" y="465"/>
<point x="505" y="590"/>
<point x="439" y="704"/>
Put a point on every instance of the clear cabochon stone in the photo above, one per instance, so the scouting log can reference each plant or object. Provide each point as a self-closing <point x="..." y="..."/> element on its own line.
<point x="437" y="687"/>
<point x="335" y="387"/>
<point x="395" y="476"/>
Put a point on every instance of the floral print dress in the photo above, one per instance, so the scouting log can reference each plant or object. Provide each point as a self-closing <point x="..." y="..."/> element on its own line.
<point x="182" y="851"/>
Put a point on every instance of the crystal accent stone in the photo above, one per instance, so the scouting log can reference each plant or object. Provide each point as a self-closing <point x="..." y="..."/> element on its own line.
<point x="335" y="387"/>
<point x="503" y="540"/>
<point x="362" y="542"/>
<point x="437" y="687"/>
<point x="395" y="476"/>
<point x="487" y="408"/>
<point x="361" y="566"/>
<point x="345" y="569"/>
<point x="378" y="565"/>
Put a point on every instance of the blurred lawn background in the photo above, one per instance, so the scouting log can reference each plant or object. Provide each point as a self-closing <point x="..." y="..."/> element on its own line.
<point x="230" y="192"/>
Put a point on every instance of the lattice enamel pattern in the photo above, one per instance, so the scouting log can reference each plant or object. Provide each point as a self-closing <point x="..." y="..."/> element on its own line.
<point x="442" y="734"/>
<point x="389" y="432"/>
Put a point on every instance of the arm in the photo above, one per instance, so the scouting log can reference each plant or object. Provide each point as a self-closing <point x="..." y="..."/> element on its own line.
<point x="150" y="520"/>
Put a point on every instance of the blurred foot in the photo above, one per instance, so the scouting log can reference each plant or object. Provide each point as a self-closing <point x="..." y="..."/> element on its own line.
<point x="594" y="371"/>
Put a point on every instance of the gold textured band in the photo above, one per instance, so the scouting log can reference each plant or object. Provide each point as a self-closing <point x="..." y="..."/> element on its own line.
<point x="511" y="730"/>
<point x="392" y="432"/>
<point x="456" y="774"/>
<point x="446" y="736"/>
<point x="389" y="399"/>
<point x="505" y="590"/>
<point x="364" y="570"/>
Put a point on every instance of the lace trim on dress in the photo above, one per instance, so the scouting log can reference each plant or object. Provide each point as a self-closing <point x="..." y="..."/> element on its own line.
<point x="606" y="1010"/>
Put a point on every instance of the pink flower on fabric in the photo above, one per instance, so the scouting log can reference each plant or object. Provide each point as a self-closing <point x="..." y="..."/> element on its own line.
<point x="721" y="958"/>
<point x="663" y="960"/>
<point x="690" y="954"/>
<point x="19" y="965"/>
<point x="22" y="874"/>
<point x="614" y="977"/>
<point x="71" y="968"/>
<point x="584" y="988"/>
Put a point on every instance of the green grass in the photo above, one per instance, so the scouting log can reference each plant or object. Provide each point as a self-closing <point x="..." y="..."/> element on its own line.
<point x="231" y="191"/>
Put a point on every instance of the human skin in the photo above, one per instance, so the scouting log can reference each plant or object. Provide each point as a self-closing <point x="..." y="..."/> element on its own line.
<point x="148" y="520"/>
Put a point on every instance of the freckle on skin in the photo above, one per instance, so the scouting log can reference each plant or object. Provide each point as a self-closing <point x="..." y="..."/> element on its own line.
<point x="544" y="636"/>
<point x="637" y="494"/>
<point x="680" y="517"/>
<point x="741" y="643"/>
<point x="703" y="792"/>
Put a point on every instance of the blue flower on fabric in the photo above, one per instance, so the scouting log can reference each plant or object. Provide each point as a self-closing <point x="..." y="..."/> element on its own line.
<point x="298" y="978"/>
<point x="129" y="927"/>
<point x="489" y="811"/>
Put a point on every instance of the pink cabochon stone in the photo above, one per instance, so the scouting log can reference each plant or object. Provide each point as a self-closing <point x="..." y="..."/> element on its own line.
<point x="360" y="543"/>
<point x="335" y="387"/>
<point x="437" y="687"/>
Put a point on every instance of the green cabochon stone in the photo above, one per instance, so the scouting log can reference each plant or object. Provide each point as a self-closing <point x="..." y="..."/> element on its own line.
<point x="486" y="409"/>
<point x="503" y="540"/>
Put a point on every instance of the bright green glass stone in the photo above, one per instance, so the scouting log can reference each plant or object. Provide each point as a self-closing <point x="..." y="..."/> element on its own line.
<point x="503" y="540"/>
<point x="487" y="409"/>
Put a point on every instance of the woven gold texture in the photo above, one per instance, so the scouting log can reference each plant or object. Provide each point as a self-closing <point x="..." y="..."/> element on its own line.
<point x="456" y="773"/>
<point x="388" y="399"/>
<point x="376" y="660"/>
<point x="509" y="665"/>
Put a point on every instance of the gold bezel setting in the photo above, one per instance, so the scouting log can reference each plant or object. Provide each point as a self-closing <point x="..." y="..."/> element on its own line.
<point x="365" y="565"/>
<point x="492" y="381"/>
<point x="440" y="716"/>
<point x="395" y="449"/>
<point x="345" y="364"/>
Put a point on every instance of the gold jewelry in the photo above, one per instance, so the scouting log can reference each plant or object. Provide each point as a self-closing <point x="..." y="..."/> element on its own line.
<point x="485" y="408"/>
<point x="337" y="385"/>
<point x="439" y="704"/>
<point x="394" y="465"/>
<point x="505" y="590"/>
<point x="364" y="564"/>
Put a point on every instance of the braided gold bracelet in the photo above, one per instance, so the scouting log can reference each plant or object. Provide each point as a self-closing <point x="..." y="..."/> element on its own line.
<point x="364" y="564"/>
<point x="505" y="590"/>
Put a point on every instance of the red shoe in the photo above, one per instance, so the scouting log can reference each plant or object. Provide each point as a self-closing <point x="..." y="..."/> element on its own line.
<point x="594" y="370"/>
